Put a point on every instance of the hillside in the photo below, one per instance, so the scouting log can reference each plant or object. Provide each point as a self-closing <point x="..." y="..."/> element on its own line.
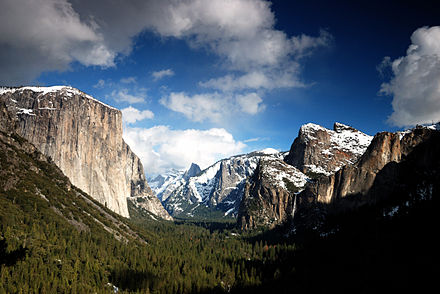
<point x="55" y="238"/>
<point x="83" y="136"/>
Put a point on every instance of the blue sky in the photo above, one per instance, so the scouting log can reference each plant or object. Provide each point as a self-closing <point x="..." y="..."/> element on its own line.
<point x="201" y="80"/>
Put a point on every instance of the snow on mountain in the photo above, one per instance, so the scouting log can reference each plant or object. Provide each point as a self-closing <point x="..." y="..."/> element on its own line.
<point x="279" y="172"/>
<point x="163" y="185"/>
<point x="219" y="186"/>
<point x="318" y="150"/>
<point x="66" y="91"/>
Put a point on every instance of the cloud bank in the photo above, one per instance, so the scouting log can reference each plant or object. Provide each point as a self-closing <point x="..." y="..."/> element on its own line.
<point x="131" y="115"/>
<point x="157" y="75"/>
<point x="415" y="83"/>
<point x="47" y="35"/>
<point x="161" y="148"/>
<point x="254" y="57"/>
<point x="214" y="106"/>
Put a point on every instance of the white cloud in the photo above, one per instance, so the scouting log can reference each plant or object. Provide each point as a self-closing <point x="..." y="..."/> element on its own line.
<point x="123" y="96"/>
<point x="415" y="84"/>
<point x="256" y="80"/>
<point x="157" y="75"/>
<point x="250" y="103"/>
<point x="161" y="148"/>
<point x="44" y="35"/>
<point x="252" y="140"/>
<point x="213" y="107"/>
<point x="131" y="115"/>
<point x="198" y="107"/>
<point x="128" y="80"/>
<point x="100" y="84"/>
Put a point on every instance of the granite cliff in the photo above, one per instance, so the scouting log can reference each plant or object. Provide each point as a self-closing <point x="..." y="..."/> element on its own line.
<point x="358" y="179"/>
<point x="318" y="150"/>
<point x="83" y="137"/>
<point x="217" y="189"/>
<point x="397" y="171"/>
<point x="269" y="195"/>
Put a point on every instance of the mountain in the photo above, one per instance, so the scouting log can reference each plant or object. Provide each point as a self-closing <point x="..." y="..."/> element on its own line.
<point x="396" y="170"/>
<point x="268" y="198"/>
<point x="83" y="137"/>
<point x="318" y="150"/>
<point x="399" y="165"/>
<point x="314" y="152"/>
<point x="218" y="188"/>
<point x="163" y="185"/>
<point x="193" y="171"/>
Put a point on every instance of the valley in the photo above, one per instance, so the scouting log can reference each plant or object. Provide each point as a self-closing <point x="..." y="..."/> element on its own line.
<point x="340" y="203"/>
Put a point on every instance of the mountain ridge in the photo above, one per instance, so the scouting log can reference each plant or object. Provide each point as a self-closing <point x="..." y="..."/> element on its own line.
<point x="83" y="136"/>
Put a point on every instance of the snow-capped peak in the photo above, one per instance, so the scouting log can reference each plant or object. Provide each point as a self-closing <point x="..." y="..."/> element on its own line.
<point x="67" y="90"/>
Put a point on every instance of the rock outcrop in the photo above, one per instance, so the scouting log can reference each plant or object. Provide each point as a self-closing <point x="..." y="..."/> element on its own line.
<point x="193" y="171"/>
<point x="219" y="187"/>
<point x="394" y="173"/>
<point x="269" y="196"/>
<point x="83" y="137"/>
<point x="318" y="150"/>
<point x="357" y="180"/>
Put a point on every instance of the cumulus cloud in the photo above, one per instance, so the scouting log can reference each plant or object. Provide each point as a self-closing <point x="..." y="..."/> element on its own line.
<point x="250" y="103"/>
<point x="256" y="80"/>
<point x="122" y="95"/>
<point x="128" y="80"/>
<point x="100" y="84"/>
<point x="213" y="107"/>
<point x="197" y="108"/>
<point x="43" y="35"/>
<point x="161" y="148"/>
<point x="131" y="115"/>
<point x="157" y="75"/>
<point x="415" y="82"/>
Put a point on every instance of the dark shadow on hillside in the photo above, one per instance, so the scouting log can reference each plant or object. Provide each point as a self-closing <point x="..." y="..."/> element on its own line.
<point x="384" y="242"/>
<point x="127" y="279"/>
<point x="211" y="225"/>
<point x="11" y="258"/>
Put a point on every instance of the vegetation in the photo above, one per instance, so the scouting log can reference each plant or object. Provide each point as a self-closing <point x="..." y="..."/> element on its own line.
<point x="54" y="239"/>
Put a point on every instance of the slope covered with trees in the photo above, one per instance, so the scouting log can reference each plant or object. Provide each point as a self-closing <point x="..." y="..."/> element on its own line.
<point x="55" y="238"/>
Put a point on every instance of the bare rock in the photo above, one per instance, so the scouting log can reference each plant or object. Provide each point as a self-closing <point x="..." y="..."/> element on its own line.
<point x="83" y="137"/>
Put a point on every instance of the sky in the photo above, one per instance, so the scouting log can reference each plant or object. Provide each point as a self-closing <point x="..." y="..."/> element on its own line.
<point x="199" y="80"/>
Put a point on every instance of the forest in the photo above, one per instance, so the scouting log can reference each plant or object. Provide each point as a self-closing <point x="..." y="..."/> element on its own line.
<point x="56" y="239"/>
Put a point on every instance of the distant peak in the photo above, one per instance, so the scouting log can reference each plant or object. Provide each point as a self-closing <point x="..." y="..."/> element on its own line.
<point x="68" y="90"/>
<point x="310" y="129"/>
<point x="338" y="127"/>
<point x="193" y="170"/>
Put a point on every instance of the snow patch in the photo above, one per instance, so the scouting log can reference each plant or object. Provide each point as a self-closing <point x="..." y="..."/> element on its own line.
<point x="66" y="90"/>
<point x="25" y="111"/>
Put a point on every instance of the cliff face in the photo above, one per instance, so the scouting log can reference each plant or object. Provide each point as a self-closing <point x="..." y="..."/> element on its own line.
<point x="219" y="187"/>
<point x="359" y="178"/>
<point x="318" y="150"/>
<point x="269" y="195"/>
<point x="394" y="175"/>
<point x="84" y="139"/>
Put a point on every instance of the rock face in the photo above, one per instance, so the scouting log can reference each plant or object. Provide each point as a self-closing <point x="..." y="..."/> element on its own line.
<point x="83" y="137"/>
<point x="269" y="196"/>
<point x="395" y="172"/>
<point x="359" y="178"/>
<point x="219" y="187"/>
<point x="193" y="171"/>
<point x="318" y="150"/>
